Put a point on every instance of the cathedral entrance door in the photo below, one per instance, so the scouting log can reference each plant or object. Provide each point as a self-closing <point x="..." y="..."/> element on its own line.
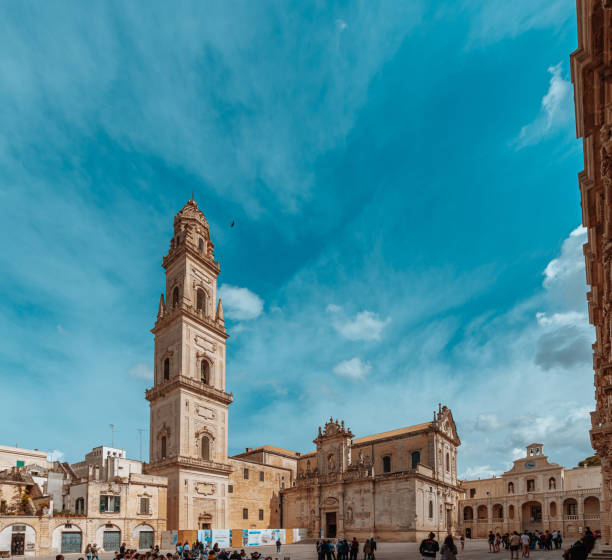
<point x="330" y="524"/>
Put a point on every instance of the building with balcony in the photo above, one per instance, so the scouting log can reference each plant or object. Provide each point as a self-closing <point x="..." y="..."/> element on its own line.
<point x="535" y="495"/>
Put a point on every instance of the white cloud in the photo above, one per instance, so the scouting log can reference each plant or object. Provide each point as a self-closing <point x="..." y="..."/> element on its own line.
<point x="141" y="371"/>
<point x="572" y="318"/>
<point x="518" y="453"/>
<point x="487" y="423"/>
<point x="55" y="455"/>
<point x="555" y="111"/>
<point x="353" y="368"/>
<point x="479" y="471"/>
<point x="366" y="325"/>
<point x="240" y="304"/>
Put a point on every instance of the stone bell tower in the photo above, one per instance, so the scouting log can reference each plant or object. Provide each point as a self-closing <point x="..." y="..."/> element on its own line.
<point x="189" y="405"/>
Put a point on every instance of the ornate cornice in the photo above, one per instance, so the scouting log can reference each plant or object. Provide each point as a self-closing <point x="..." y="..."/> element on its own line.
<point x="182" y="382"/>
<point x="188" y="462"/>
<point x="205" y="259"/>
<point x="184" y="310"/>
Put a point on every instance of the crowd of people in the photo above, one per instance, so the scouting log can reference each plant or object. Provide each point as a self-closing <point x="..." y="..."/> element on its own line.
<point x="342" y="549"/>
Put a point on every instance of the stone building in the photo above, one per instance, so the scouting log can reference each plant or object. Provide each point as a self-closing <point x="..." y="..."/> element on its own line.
<point x="534" y="495"/>
<point x="591" y="66"/>
<point x="104" y="499"/>
<point x="397" y="485"/>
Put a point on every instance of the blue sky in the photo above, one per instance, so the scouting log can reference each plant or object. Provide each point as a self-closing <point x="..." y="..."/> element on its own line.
<point x="403" y="180"/>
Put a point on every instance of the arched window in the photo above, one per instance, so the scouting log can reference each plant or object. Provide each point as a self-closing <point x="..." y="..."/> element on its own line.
<point x="166" y="369"/>
<point x="205" y="451"/>
<point x="510" y="487"/>
<point x="163" y="447"/>
<point x="79" y="506"/>
<point x="430" y="509"/>
<point x="205" y="372"/>
<point x="416" y="459"/>
<point x="201" y="244"/>
<point x="175" y="297"/>
<point x="468" y="513"/>
<point x="201" y="301"/>
<point x="447" y="462"/>
<point x="387" y="464"/>
<point x="552" y="483"/>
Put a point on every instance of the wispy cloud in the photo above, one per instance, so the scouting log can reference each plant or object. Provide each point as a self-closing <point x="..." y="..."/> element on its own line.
<point x="365" y="325"/>
<point x="555" y="112"/>
<point x="141" y="371"/>
<point x="240" y="304"/>
<point x="354" y="368"/>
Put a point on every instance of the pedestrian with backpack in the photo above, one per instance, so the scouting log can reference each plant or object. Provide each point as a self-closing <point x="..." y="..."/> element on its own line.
<point x="429" y="547"/>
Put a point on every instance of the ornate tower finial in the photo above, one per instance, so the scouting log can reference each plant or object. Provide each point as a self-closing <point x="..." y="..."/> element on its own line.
<point x="220" y="312"/>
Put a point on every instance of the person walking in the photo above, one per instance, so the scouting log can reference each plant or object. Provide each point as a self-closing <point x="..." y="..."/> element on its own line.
<point x="88" y="551"/>
<point x="491" y="541"/>
<point x="525" y="541"/>
<point x="373" y="547"/>
<point x="462" y="539"/>
<point x="429" y="547"/>
<point x="278" y="545"/>
<point x="449" y="549"/>
<point x="588" y="539"/>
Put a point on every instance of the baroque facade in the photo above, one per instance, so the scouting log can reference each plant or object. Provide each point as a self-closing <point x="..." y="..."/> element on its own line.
<point x="591" y="67"/>
<point x="534" y="495"/>
<point x="396" y="485"/>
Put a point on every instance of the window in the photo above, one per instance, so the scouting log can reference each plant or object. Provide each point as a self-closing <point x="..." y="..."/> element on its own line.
<point x="110" y="504"/>
<point x="531" y="485"/>
<point x="552" y="483"/>
<point x="175" y="297"/>
<point x="79" y="506"/>
<point x="261" y="515"/>
<point x="245" y="513"/>
<point x="447" y="462"/>
<point x="201" y="301"/>
<point x="572" y="509"/>
<point x="511" y="512"/>
<point x="3" y="506"/>
<point x="510" y="487"/>
<point x="387" y="463"/>
<point x="430" y="509"/>
<point x="472" y="492"/>
<point x="144" y="506"/>
<point x="283" y="482"/>
<point x="230" y="488"/>
<point x="245" y="475"/>
<point x="166" y="369"/>
<point x="201" y="244"/>
<point x="163" y="447"/>
<point x="261" y="476"/>
<point x="416" y="459"/>
<point x="205" y="442"/>
<point x="468" y="513"/>
<point x="205" y="372"/>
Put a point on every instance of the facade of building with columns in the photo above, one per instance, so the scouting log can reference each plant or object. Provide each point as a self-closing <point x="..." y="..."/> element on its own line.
<point x="591" y="67"/>
<point x="534" y="495"/>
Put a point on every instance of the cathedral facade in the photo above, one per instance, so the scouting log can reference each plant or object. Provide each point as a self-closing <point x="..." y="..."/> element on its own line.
<point x="397" y="485"/>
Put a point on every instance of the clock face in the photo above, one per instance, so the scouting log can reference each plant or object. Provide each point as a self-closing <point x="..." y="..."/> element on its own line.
<point x="529" y="465"/>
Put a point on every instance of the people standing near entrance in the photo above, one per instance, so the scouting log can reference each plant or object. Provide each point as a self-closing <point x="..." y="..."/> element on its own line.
<point x="448" y="550"/>
<point x="429" y="547"/>
<point x="354" y="549"/>
<point x="94" y="551"/>
<point x="122" y="549"/>
<point x="515" y="545"/>
<point x="329" y="550"/>
<point x="525" y="541"/>
<point x="491" y="542"/>
<point x="278" y="545"/>
<point x="88" y="551"/>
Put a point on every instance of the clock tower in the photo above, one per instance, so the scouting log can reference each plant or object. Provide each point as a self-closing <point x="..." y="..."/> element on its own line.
<point x="188" y="402"/>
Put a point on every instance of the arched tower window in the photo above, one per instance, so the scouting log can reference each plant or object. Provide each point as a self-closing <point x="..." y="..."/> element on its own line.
<point x="201" y="301"/>
<point x="201" y="244"/>
<point x="205" y="372"/>
<point x="163" y="447"/>
<point x="205" y="451"/>
<point x="79" y="506"/>
<point x="175" y="297"/>
<point x="166" y="369"/>
<point x="416" y="459"/>
<point x="510" y="487"/>
<point x="447" y="462"/>
<point x="552" y="483"/>
<point x="387" y="463"/>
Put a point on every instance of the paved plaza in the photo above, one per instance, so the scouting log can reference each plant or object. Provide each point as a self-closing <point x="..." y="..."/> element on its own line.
<point x="476" y="549"/>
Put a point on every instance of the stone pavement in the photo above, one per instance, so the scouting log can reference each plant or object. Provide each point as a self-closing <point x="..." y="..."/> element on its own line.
<point x="475" y="549"/>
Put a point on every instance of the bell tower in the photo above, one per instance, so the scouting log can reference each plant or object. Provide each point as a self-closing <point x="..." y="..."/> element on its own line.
<point x="188" y="402"/>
